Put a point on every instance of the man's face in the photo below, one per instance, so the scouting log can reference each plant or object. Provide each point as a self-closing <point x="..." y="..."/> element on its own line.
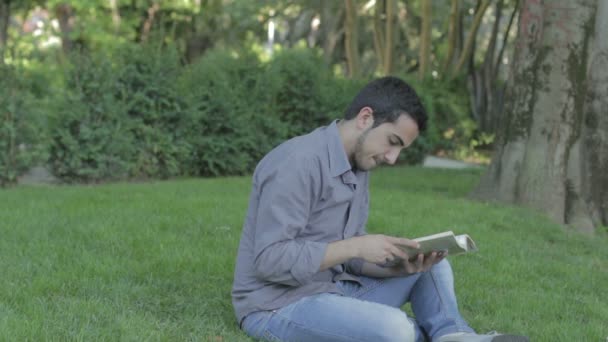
<point x="376" y="146"/>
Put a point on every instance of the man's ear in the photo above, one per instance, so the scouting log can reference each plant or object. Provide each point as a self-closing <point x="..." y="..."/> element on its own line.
<point x="365" y="118"/>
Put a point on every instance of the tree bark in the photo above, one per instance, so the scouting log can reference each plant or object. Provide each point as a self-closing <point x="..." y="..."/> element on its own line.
<point x="351" y="41"/>
<point x="552" y="147"/>
<point x="5" y="17"/>
<point x="425" y="39"/>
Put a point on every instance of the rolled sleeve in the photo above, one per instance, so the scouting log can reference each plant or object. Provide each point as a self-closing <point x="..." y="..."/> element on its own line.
<point x="308" y="261"/>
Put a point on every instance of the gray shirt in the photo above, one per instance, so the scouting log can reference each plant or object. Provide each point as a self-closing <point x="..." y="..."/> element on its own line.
<point x="304" y="196"/>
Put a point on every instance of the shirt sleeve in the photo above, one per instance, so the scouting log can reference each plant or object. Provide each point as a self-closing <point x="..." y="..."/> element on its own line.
<point x="285" y="201"/>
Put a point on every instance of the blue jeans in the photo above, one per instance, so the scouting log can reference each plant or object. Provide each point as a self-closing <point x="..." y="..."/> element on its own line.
<point x="368" y="312"/>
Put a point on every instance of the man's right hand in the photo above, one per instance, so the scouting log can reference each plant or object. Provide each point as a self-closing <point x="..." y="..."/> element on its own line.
<point x="381" y="249"/>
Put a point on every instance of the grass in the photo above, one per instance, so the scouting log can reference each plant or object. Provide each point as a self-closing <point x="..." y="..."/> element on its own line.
<point x="154" y="261"/>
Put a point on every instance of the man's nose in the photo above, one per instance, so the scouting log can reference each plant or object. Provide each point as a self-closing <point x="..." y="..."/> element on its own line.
<point x="392" y="155"/>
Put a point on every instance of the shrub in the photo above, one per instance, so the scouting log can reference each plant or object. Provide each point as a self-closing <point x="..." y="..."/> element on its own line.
<point x="298" y="80"/>
<point x="146" y="86"/>
<point x="231" y="121"/>
<point x="90" y="137"/>
<point x="21" y="127"/>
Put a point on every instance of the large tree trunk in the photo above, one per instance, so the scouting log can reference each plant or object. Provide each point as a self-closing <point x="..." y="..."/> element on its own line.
<point x="552" y="151"/>
<point x="5" y="17"/>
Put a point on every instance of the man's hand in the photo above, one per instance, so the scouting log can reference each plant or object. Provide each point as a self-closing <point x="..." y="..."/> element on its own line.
<point x="421" y="263"/>
<point x="381" y="249"/>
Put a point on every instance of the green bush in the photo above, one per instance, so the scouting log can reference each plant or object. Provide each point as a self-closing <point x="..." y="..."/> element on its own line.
<point x="21" y="127"/>
<point x="231" y="121"/>
<point x="447" y="107"/>
<point x="147" y="78"/>
<point x="299" y="78"/>
<point x="89" y="128"/>
<point x="144" y="115"/>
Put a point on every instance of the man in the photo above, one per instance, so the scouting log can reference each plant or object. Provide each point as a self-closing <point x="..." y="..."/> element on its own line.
<point x="306" y="269"/>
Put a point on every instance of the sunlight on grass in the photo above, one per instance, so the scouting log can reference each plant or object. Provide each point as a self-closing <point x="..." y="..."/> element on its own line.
<point x="154" y="261"/>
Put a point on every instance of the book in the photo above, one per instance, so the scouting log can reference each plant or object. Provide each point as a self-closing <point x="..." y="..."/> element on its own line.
<point x="445" y="241"/>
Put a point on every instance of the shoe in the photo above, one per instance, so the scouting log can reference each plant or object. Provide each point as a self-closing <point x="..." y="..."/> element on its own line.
<point x="490" y="337"/>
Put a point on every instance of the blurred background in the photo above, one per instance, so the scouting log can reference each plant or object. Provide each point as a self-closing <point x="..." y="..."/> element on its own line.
<point x="103" y="90"/>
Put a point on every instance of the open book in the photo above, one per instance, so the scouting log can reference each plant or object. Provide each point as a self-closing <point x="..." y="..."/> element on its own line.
<point x="446" y="241"/>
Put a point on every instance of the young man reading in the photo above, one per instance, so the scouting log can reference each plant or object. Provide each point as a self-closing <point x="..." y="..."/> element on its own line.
<point x="306" y="269"/>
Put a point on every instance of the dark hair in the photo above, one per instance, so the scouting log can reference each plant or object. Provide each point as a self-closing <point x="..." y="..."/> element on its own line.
<point x="389" y="97"/>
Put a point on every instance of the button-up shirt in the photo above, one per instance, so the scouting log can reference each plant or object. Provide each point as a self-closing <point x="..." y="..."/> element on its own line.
<point x="304" y="196"/>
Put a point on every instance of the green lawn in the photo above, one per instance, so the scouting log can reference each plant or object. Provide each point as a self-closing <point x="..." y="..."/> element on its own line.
<point x="154" y="261"/>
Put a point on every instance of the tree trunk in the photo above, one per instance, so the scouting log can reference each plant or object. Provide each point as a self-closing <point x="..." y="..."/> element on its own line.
<point x="389" y="41"/>
<point x="332" y="28"/>
<point x="115" y="15"/>
<point x="351" y="41"/>
<point x="552" y="147"/>
<point x="5" y="17"/>
<point x="65" y="16"/>
<point x="425" y="39"/>
<point x="505" y="39"/>
<point x="484" y="83"/>
<point x="147" y="26"/>
<point x="453" y="36"/>
<point x="379" y="12"/>
<point x="470" y="40"/>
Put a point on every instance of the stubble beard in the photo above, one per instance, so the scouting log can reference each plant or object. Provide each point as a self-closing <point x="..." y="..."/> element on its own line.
<point x="358" y="153"/>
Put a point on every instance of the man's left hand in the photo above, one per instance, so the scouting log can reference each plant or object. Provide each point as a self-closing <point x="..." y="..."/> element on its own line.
<point x="419" y="264"/>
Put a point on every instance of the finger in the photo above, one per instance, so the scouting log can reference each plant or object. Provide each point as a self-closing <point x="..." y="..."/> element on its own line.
<point x="404" y="242"/>
<point x="398" y="252"/>
<point x="429" y="261"/>
<point x="420" y="263"/>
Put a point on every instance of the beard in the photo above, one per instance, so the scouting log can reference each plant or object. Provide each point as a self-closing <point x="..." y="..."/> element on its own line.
<point x="359" y="154"/>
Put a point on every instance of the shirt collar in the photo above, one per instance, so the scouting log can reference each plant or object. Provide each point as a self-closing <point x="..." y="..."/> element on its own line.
<point x="338" y="161"/>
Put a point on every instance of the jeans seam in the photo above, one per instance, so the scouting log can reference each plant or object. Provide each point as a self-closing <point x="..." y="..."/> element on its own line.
<point x="443" y="310"/>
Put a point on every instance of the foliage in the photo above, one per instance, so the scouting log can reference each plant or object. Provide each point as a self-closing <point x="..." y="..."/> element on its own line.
<point x="231" y="122"/>
<point x="300" y="78"/>
<point x="448" y="126"/>
<point x="142" y="114"/>
<point x="21" y="136"/>
<point x="146" y="86"/>
<point x="90" y="138"/>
